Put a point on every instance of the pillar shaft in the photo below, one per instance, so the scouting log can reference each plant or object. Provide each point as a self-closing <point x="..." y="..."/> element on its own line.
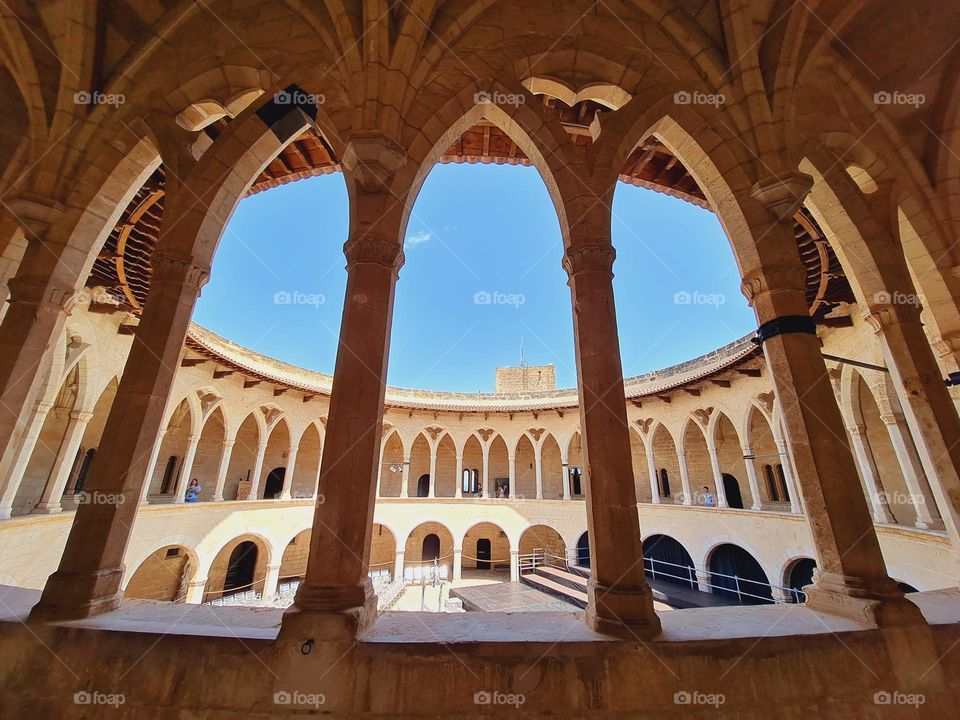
<point x="930" y="412"/>
<point x="405" y="477"/>
<point x="459" y="489"/>
<point x="25" y="450"/>
<point x="91" y="568"/>
<point x="717" y="476"/>
<point x="620" y="601"/>
<point x="685" y="476"/>
<point x="186" y="469"/>
<point x="256" y="475"/>
<point x="486" y="472"/>
<point x="654" y="478"/>
<point x="432" y="491"/>
<point x="226" y="452"/>
<point x="870" y="474"/>
<point x="152" y="465"/>
<point x="921" y="497"/>
<point x="538" y="465"/>
<point x="66" y="458"/>
<point x="288" y="473"/>
<point x="457" y="564"/>
<point x="751" y="467"/>
<point x="336" y="584"/>
<point x="852" y="578"/>
<point x="566" y="478"/>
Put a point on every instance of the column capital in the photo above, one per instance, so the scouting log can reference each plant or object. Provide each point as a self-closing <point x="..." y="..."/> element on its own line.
<point x="374" y="249"/>
<point x="81" y="415"/>
<point x="228" y="443"/>
<point x="589" y="258"/>
<point x="170" y="270"/>
<point x="892" y="418"/>
<point x="35" y="291"/>
<point x="892" y="309"/>
<point x="783" y="194"/>
<point x="773" y="279"/>
<point x="945" y="345"/>
<point x="373" y="160"/>
<point x="857" y="430"/>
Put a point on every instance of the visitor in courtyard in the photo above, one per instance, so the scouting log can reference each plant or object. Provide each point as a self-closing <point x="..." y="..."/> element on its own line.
<point x="708" y="499"/>
<point x="193" y="491"/>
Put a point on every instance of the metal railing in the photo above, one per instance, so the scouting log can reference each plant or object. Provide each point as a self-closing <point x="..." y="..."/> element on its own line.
<point x="686" y="574"/>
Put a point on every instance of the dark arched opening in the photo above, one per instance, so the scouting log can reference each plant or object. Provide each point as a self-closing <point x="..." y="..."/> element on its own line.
<point x="274" y="484"/>
<point x="240" y="568"/>
<point x="169" y="476"/>
<point x="431" y="547"/>
<point x="666" y="559"/>
<point x="801" y="575"/>
<point x="423" y="486"/>
<point x="576" y="481"/>
<point x="483" y="554"/>
<point x="735" y="573"/>
<point x="84" y="470"/>
<point x="732" y="489"/>
<point x="583" y="550"/>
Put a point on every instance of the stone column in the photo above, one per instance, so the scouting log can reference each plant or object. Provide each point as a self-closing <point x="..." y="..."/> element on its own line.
<point x="19" y="467"/>
<point x="195" y="590"/>
<point x="336" y="598"/>
<point x="654" y="477"/>
<point x="41" y="297"/>
<point x="538" y="465"/>
<point x="512" y="471"/>
<point x="870" y="474"/>
<point x="750" y="464"/>
<point x="566" y="475"/>
<point x="486" y="471"/>
<point x="717" y="476"/>
<point x="398" y="564"/>
<point x="685" y="476"/>
<point x="225" y="453"/>
<point x="383" y="445"/>
<point x="432" y="491"/>
<point x="459" y="491"/>
<point x="66" y="458"/>
<point x="186" y="469"/>
<point x="457" y="564"/>
<point x="514" y="565"/>
<point x="271" y="582"/>
<point x="928" y="517"/>
<point x="288" y="473"/>
<point x="704" y="580"/>
<point x="620" y="601"/>
<point x="87" y="581"/>
<point x="256" y="475"/>
<point x="852" y="578"/>
<point x="152" y="465"/>
<point x="796" y="506"/>
<point x="930" y="412"/>
<point x="405" y="477"/>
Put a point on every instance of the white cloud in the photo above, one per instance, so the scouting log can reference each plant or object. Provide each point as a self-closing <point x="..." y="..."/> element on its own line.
<point x="418" y="239"/>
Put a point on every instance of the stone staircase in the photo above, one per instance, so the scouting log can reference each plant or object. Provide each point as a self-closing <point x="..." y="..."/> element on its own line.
<point x="569" y="585"/>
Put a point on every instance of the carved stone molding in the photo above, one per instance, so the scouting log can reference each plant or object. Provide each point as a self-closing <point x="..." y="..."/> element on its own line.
<point x="773" y="279"/>
<point x="373" y="159"/>
<point x="591" y="258"/>
<point x="36" y="292"/>
<point x="880" y="317"/>
<point x="783" y="195"/>
<point x="946" y="345"/>
<point x="172" y="269"/>
<point x="374" y="249"/>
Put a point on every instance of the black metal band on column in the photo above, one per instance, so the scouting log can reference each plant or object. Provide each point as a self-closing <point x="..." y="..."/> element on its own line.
<point x="953" y="379"/>
<point x="784" y="325"/>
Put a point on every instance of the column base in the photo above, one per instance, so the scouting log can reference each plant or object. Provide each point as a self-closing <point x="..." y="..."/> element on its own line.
<point x="68" y="596"/>
<point x="341" y="613"/>
<point x="936" y="525"/>
<point x="47" y="509"/>
<point x="6" y="511"/>
<point x="622" y="612"/>
<point x="879" y="603"/>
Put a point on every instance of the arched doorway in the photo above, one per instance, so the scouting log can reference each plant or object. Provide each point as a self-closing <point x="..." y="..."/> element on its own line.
<point x="241" y="567"/>
<point x="542" y="537"/>
<point x="483" y="554"/>
<point x="423" y="486"/>
<point x="274" y="485"/>
<point x="431" y="548"/>
<point x="583" y="550"/>
<point x="163" y="575"/>
<point x="732" y="488"/>
<point x="666" y="559"/>
<point x="801" y="575"/>
<point x="736" y="574"/>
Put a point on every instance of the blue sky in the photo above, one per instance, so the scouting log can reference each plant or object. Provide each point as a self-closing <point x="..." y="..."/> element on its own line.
<point x="482" y="271"/>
